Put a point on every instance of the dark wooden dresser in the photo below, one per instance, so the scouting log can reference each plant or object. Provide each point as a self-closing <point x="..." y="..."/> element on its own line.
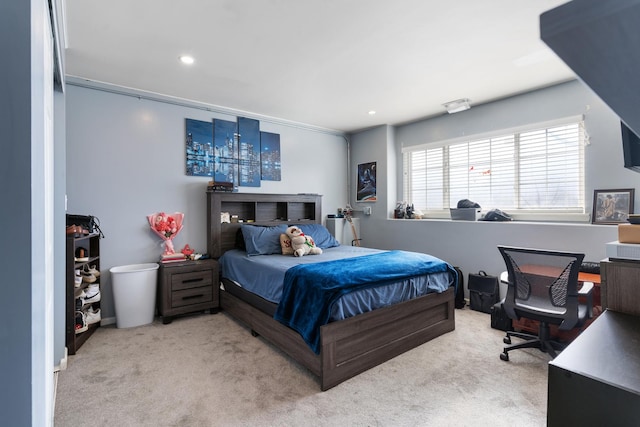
<point x="595" y="381"/>
<point x="186" y="287"/>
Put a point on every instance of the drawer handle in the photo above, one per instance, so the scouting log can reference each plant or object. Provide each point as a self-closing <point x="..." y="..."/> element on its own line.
<point x="193" y="296"/>
<point x="199" y="279"/>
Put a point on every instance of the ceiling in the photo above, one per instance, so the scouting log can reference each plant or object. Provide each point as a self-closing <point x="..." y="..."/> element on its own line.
<point x="324" y="63"/>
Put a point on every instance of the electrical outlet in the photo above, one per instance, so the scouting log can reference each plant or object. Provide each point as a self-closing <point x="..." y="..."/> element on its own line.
<point x="367" y="210"/>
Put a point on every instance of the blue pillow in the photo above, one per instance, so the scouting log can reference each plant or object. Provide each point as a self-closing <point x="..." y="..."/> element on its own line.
<point x="320" y="235"/>
<point x="259" y="240"/>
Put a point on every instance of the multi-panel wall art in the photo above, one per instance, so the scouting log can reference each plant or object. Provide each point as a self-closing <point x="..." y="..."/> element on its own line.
<point x="232" y="152"/>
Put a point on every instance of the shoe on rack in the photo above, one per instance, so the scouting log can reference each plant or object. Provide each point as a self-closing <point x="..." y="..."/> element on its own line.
<point x="76" y="230"/>
<point x="91" y="270"/>
<point x="92" y="290"/>
<point x="78" y="281"/>
<point x="92" y="316"/>
<point x="88" y="277"/>
<point x="82" y="255"/>
<point x="81" y="322"/>
<point x="91" y="299"/>
<point x="73" y="230"/>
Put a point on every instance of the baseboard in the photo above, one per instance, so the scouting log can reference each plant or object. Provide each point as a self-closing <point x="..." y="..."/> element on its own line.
<point x="56" y="371"/>
<point x="55" y="395"/>
<point x="107" y="321"/>
<point x="63" y="362"/>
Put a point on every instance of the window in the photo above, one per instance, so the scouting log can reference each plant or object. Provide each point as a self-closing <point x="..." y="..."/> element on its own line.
<point x="530" y="173"/>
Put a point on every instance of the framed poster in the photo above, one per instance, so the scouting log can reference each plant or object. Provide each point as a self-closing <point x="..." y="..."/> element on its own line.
<point x="612" y="206"/>
<point x="366" y="188"/>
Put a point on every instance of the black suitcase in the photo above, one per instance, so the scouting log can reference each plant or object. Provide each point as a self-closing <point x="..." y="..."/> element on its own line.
<point x="483" y="291"/>
<point x="499" y="318"/>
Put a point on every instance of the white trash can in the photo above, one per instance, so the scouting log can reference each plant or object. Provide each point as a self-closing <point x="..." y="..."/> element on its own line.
<point x="134" y="293"/>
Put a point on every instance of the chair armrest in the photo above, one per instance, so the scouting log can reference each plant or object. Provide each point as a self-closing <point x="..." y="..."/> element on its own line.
<point x="587" y="290"/>
<point x="504" y="277"/>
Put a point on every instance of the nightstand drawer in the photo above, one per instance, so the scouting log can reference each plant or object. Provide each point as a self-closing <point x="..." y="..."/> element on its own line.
<point x="192" y="279"/>
<point x="191" y="296"/>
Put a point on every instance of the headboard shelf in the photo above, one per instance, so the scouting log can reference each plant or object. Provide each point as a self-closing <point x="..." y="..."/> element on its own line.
<point x="257" y="209"/>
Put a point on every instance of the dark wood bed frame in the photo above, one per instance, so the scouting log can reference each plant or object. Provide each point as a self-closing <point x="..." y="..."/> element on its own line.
<point x="348" y="347"/>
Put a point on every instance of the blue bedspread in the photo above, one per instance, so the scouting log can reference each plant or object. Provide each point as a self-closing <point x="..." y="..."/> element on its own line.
<point x="309" y="290"/>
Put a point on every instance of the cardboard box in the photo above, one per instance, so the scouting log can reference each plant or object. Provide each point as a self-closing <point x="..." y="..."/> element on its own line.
<point x="629" y="233"/>
<point x="465" y="214"/>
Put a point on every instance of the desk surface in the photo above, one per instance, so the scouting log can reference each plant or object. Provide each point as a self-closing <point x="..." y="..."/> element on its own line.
<point x="607" y="351"/>
<point x="589" y="277"/>
<point x="582" y="277"/>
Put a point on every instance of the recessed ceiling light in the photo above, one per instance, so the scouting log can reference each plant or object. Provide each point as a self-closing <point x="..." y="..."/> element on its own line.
<point x="186" y="59"/>
<point x="371" y="113"/>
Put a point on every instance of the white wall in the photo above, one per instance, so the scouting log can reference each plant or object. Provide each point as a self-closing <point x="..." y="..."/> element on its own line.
<point x="374" y="145"/>
<point x="59" y="252"/>
<point x="126" y="160"/>
<point x="472" y="245"/>
<point x="603" y="156"/>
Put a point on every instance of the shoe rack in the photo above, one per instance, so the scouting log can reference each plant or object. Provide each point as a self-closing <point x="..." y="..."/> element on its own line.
<point x="83" y="253"/>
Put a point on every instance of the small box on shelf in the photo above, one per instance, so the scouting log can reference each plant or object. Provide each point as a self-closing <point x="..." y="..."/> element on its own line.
<point x="629" y="233"/>
<point x="465" y="214"/>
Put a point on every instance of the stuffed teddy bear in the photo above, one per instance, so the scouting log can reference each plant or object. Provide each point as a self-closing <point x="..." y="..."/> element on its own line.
<point x="301" y="244"/>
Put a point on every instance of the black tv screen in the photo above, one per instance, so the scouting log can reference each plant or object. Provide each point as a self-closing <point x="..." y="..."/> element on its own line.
<point x="630" y="148"/>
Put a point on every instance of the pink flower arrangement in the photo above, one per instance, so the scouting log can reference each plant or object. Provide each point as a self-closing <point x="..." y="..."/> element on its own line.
<point x="167" y="227"/>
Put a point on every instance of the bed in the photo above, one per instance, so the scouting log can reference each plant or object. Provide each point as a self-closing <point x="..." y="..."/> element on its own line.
<point x="346" y="345"/>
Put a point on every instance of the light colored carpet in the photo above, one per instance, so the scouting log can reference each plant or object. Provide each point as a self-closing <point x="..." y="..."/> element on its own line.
<point x="207" y="370"/>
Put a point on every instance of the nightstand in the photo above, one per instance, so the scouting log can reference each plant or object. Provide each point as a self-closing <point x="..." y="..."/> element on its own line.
<point x="186" y="287"/>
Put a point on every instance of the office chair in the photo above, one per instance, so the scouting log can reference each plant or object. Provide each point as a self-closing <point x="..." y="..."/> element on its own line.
<point x="543" y="286"/>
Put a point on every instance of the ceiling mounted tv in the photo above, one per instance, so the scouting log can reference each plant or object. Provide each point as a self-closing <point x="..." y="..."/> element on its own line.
<point x="630" y="148"/>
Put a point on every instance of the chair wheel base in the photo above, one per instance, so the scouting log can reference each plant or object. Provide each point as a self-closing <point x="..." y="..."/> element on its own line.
<point x="504" y="356"/>
<point x="506" y="340"/>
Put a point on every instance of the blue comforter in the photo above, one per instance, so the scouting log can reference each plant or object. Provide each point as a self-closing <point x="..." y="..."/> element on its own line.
<point x="310" y="289"/>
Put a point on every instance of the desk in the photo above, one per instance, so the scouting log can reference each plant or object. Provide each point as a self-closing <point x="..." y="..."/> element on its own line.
<point x="595" y="381"/>
<point x="532" y="326"/>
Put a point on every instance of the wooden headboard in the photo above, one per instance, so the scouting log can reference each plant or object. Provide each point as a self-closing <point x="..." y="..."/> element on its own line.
<point x="257" y="209"/>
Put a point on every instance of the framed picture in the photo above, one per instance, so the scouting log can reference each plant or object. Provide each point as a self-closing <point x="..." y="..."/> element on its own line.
<point x="612" y="206"/>
<point x="366" y="182"/>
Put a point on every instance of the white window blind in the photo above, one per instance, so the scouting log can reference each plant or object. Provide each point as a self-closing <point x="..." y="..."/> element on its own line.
<point x="539" y="170"/>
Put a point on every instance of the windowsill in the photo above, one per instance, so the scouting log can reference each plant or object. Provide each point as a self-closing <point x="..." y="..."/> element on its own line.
<point x="547" y="217"/>
<point x="521" y="222"/>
